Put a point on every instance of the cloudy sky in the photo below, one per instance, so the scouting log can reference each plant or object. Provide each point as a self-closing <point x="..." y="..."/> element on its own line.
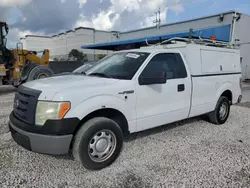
<point x="48" y="17"/>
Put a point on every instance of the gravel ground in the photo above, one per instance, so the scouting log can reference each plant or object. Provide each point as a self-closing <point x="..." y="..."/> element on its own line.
<point x="6" y="89"/>
<point x="193" y="154"/>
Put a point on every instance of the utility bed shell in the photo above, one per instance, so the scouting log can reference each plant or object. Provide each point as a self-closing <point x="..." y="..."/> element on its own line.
<point x="204" y="60"/>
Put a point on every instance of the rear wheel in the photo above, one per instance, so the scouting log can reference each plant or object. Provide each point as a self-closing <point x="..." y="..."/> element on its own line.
<point x="98" y="143"/>
<point x="221" y="112"/>
<point x="39" y="72"/>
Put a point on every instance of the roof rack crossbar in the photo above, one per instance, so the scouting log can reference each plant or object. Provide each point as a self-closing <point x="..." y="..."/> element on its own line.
<point x="201" y="41"/>
<point x="175" y="39"/>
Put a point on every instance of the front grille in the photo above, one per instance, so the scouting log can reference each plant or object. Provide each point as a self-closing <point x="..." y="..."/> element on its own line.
<point x="25" y="104"/>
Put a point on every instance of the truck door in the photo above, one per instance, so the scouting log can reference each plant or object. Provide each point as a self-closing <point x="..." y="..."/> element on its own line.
<point x="160" y="104"/>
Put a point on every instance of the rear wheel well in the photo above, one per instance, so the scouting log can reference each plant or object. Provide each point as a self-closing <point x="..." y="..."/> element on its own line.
<point x="228" y="95"/>
<point x="110" y="113"/>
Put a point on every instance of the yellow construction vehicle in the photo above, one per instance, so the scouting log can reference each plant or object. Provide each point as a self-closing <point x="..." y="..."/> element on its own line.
<point x="18" y="65"/>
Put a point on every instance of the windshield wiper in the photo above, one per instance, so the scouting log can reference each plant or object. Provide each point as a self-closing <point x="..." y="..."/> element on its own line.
<point x="84" y="73"/>
<point x="78" y="73"/>
<point x="99" y="74"/>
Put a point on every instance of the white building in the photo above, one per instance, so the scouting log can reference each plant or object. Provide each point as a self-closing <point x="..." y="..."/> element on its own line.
<point x="60" y="45"/>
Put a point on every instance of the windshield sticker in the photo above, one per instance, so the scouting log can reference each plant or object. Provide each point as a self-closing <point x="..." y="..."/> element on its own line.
<point x="135" y="56"/>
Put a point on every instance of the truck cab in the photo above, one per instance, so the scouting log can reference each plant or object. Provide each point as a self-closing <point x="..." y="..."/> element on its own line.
<point x="126" y="92"/>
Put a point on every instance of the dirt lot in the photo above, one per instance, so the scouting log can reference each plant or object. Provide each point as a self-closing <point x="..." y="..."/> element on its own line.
<point x="194" y="154"/>
<point x="7" y="89"/>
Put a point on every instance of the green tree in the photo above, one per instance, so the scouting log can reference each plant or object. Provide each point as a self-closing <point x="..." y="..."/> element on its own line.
<point x="75" y="54"/>
<point x="100" y="56"/>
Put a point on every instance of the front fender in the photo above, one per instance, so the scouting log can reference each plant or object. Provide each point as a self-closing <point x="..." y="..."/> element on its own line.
<point x="126" y="107"/>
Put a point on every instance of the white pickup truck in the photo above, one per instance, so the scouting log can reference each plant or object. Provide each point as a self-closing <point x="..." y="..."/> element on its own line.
<point x="127" y="92"/>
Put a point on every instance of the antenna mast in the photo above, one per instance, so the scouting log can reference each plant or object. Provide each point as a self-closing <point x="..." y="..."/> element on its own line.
<point x="157" y="21"/>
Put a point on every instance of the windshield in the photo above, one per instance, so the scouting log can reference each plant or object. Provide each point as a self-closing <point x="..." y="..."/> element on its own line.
<point x="121" y="65"/>
<point x="87" y="66"/>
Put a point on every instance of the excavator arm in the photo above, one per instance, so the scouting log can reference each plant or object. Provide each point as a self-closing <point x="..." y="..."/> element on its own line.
<point x="32" y="66"/>
<point x="19" y="65"/>
<point x="31" y="56"/>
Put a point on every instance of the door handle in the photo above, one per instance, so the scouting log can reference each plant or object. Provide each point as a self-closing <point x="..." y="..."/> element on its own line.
<point x="126" y="92"/>
<point x="181" y="87"/>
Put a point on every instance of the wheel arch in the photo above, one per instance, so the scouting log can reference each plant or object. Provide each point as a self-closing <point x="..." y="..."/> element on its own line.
<point x="226" y="91"/>
<point x="110" y="113"/>
<point x="228" y="94"/>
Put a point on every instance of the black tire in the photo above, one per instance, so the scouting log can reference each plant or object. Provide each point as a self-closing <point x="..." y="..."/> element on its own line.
<point x="214" y="117"/>
<point x="84" y="137"/>
<point x="39" y="72"/>
<point x="26" y="70"/>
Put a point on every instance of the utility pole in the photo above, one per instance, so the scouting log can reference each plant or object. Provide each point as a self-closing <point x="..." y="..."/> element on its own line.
<point x="157" y="21"/>
<point x="159" y="11"/>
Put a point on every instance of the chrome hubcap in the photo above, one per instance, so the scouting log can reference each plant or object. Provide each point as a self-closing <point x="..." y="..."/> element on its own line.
<point x="223" y="111"/>
<point x="102" y="145"/>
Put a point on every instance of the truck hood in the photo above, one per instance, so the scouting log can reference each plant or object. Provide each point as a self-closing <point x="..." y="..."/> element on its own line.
<point x="68" y="82"/>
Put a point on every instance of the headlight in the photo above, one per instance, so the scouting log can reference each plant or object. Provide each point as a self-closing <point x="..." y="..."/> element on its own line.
<point x="50" y="110"/>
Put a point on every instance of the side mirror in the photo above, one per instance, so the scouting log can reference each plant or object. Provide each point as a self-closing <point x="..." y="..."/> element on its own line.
<point x="156" y="77"/>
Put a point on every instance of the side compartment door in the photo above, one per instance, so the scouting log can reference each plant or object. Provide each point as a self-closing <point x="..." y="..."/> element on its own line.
<point x="159" y="104"/>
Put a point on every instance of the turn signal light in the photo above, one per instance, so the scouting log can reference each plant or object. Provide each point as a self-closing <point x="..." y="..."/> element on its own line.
<point x="63" y="109"/>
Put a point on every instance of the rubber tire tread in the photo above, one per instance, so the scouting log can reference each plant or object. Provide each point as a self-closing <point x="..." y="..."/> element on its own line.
<point x="85" y="133"/>
<point x="33" y="74"/>
<point x="214" y="116"/>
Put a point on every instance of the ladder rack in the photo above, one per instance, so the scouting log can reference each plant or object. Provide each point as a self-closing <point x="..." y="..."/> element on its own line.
<point x="200" y="41"/>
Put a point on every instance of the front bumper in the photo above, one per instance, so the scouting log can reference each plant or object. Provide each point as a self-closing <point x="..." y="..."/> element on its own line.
<point x="53" y="143"/>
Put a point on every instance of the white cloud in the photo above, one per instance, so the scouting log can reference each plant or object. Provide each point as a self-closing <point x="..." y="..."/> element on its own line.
<point x="81" y="3"/>
<point x="178" y="8"/>
<point x="13" y="3"/>
<point x="151" y="6"/>
<point x="140" y="11"/>
<point x="15" y="34"/>
<point x="148" y="21"/>
<point x="109" y="14"/>
<point x="102" y="21"/>
<point x="83" y="23"/>
<point x="28" y="32"/>
<point x="122" y="5"/>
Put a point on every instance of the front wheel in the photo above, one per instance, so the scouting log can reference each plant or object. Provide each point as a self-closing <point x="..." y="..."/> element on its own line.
<point x="39" y="72"/>
<point x="221" y="112"/>
<point x="98" y="143"/>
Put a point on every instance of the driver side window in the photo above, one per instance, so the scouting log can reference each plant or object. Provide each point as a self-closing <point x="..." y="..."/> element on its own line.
<point x="170" y="63"/>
